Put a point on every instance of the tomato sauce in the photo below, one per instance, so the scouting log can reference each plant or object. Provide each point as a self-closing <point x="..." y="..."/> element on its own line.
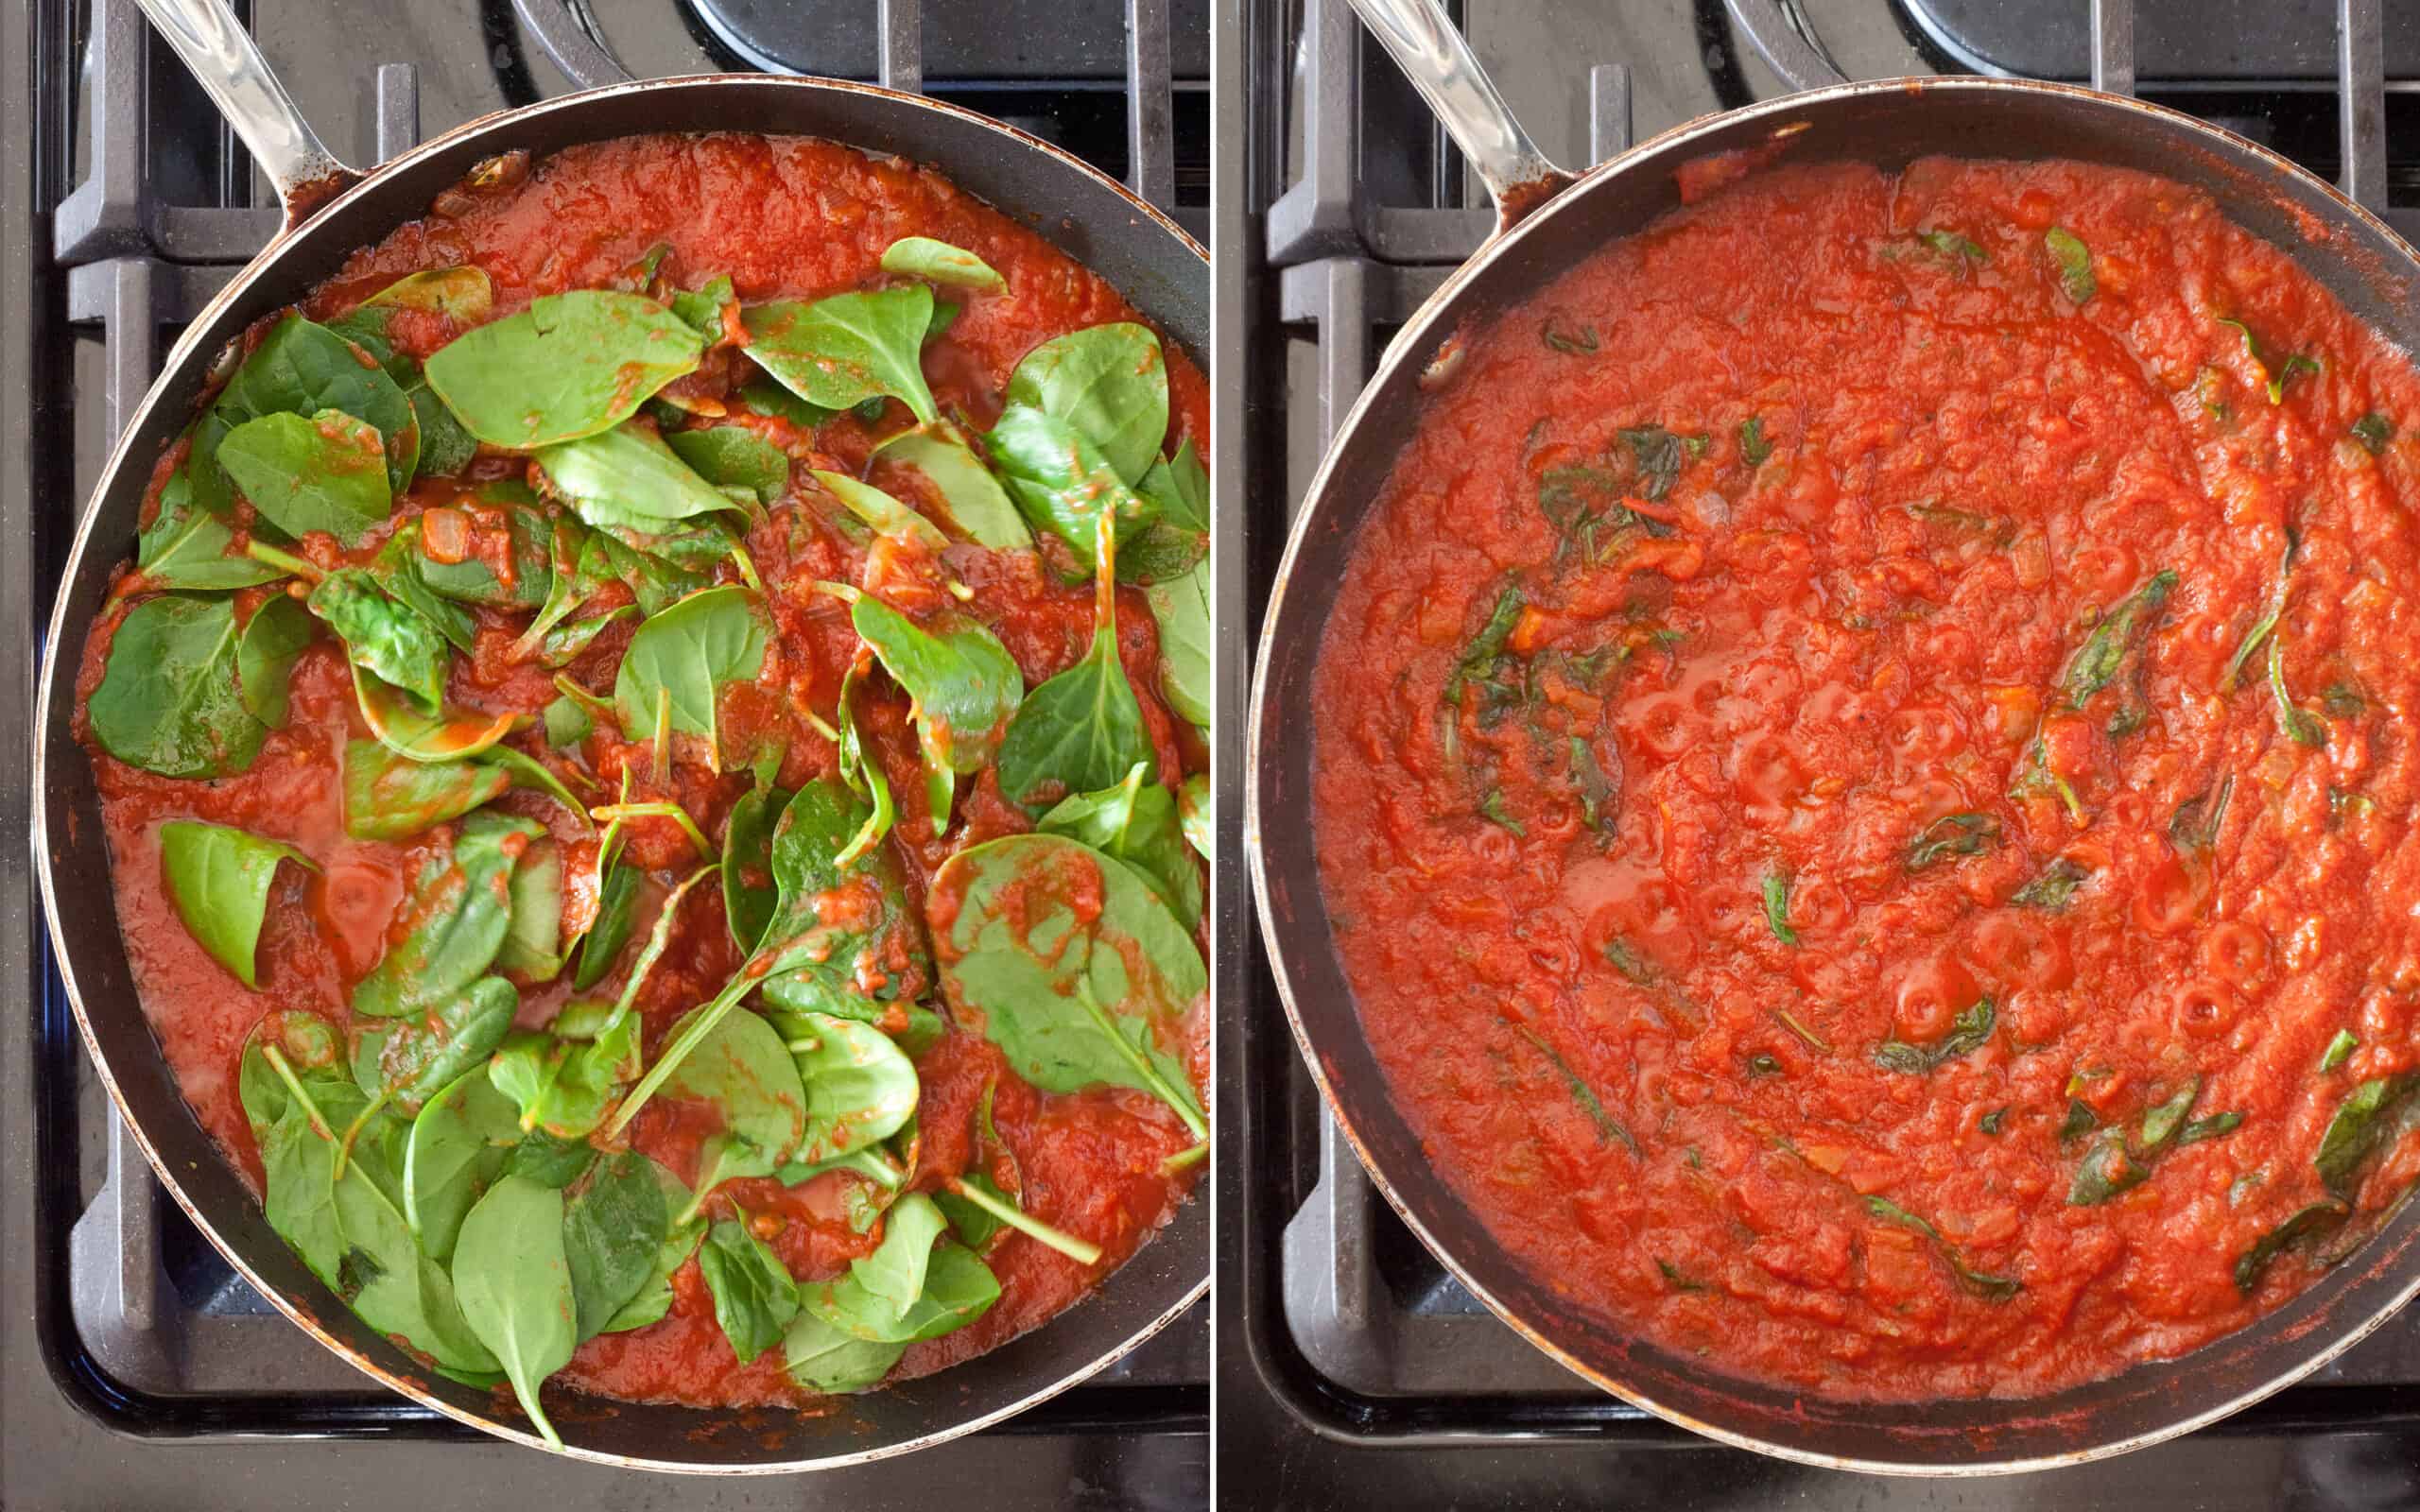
<point x="1764" y="936"/>
<point x="787" y="219"/>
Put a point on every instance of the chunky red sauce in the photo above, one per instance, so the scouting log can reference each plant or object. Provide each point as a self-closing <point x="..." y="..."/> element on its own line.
<point x="787" y="219"/>
<point x="1776" y="672"/>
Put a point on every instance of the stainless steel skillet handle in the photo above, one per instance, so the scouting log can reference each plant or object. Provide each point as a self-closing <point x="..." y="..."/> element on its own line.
<point x="1443" y="67"/>
<point x="214" y="44"/>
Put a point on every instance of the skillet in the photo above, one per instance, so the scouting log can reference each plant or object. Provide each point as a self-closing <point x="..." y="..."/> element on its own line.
<point x="330" y="211"/>
<point x="1547" y="221"/>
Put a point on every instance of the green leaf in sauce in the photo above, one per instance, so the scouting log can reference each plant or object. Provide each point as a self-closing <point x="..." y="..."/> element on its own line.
<point x="748" y="894"/>
<point x="417" y="1056"/>
<point x="1577" y="341"/>
<point x="1492" y="809"/>
<point x="2298" y="724"/>
<point x="692" y="651"/>
<point x="1193" y="808"/>
<point x="571" y="364"/>
<point x="1969" y="1031"/>
<point x="1951" y="245"/>
<point x="1479" y="659"/>
<point x="1109" y="384"/>
<point x="301" y="368"/>
<point x="1070" y="964"/>
<point x="2208" y="1128"/>
<point x="1082" y="730"/>
<point x="1656" y="453"/>
<point x="324" y="472"/>
<point x="860" y="1087"/>
<point x="1135" y="822"/>
<point x="1990" y="1123"/>
<point x="2081" y="1120"/>
<point x="1754" y="448"/>
<point x="383" y="637"/>
<point x="2074" y="261"/>
<point x="2052" y="888"/>
<point x="2108" y="1169"/>
<point x="977" y="505"/>
<point x="844" y="350"/>
<point x="455" y="921"/>
<point x="403" y="729"/>
<point x="455" y="1150"/>
<point x="829" y="1360"/>
<point x="628" y="480"/>
<point x="1609" y="1130"/>
<point x="734" y="457"/>
<point x="1064" y="483"/>
<point x="2195" y="826"/>
<point x="1599" y="801"/>
<point x="218" y="878"/>
<point x="396" y="569"/>
<point x="2305" y="1224"/>
<point x="1990" y="1288"/>
<point x="1776" y="887"/>
<point x="186" y="547"/>
<point x="964" y="689"/>
<point x="2373" y="431"/>
<point x="2119" y="635"/>
<point x="951" y="1286"/>
<point x="1952" y="836"/>
<point x="2339" y="1050"/>
<point x="612" y="1228"/>
<point x="2360" y="1121"/>
<point x="937" y="262"/>
<point x="515" y="1281"/>
<point x="2273" y="374"/>
<point x="753" y="1294"/>
<point x="167" y="700"/>
<point x="272" y="642"/>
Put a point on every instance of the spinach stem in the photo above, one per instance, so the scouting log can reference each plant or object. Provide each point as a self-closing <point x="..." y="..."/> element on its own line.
<point x="663" y="741"/>
<point x="1192" y="1155"/>
<point x="747" y="566"/>
<point x="353" y="1131"/>
<point x="616" y="813"/>
<point x="284" y="560"/>
<point x="294" y="1086"/>
<point x="1081" y="1251"/>
<point x="678" y="1051"/>
<point x="1134" y="1057"/>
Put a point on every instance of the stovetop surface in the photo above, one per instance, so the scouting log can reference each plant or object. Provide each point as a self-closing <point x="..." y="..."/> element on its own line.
<point x="1354" y="1371"/>
<point x="135" y="1367"/>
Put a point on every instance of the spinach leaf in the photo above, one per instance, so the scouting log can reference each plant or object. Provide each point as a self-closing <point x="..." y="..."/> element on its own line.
<point x="402" y="728"/>
<point x="462" y="292"/>
<point x="218" y="878"/>
<point x="618" y="896"/>
<point x="566" y="644"/>
<point x="754" y="1296"/>
<point x="2108" y="1169"/>
<point x="1194" y="813"/>
<point x="397" y="570"/>
<point x="566" y="723"/>
<point x="1135" y="822"/>
<point x="2339" y="1050"/>
<point x="893" y="1275"/>
<point x="860" y="1088"/>
<point x="979" y="506"/>
<point x="1109" y="384"/>
<point x="272" y="642"/>
<point x="749" y="893"/>
<point x="653" y="1298"/>
<point x="1970" y="1030"/>
<point x="2053" y="888"/>
<point x="629" y="479"/>
<point x="302" y="368"/>
<point x="382" y="637"/>
<point x="1082" y="730"/>
<point x="1754" y="448"/>
<point x="1949" y="244"/>
<point x="884" y="514"/>
<point x="2361" y="1121"/>
<point x="457" y="1146"/>
<point x="1608" y="1128"/>
<point x="578" y="566"/>
<point x="727" y="1158"/>
<point x="2074" y="261"/>
<point x="2198" y="821"/>
<point x="742" y="1066"/>
<point x="734" y="457"/>
<point x="384" y="1277"/>
<point x="185" y="546"/>
<point x="167" y="700"/>
<point x="826" y="1359"/>
<point x="1953" y="834"/>
<point x="326" y="472"/>
<point x="690" y="651"/>
<point x="1063" y="483"/>
<point x="548" y="1159"/>
<point x="1657" y="454"/>
<point x="1180" y="538"/>
<point x="937" y="262"/>
<point x="534" y="939"/>
<point x="762" y="396"/>
<point x="612" y="1230"/>
<point x="1990" y="1288"/>
<point x="571" y="364"/>
<point x="2304" y="1224"/>
<point x="2373" y="431"/>
<point x="2120" y="633"/>
<point x="1180" y="601"/>
<point x="842" y="350"/>
<point x="457" y="918"/>
<point x="2274" y="375"/>
<point x="864" y="778"/>
<point x="1076" y="994"/>
<point x="460" y="546"/>
<point x="1479" y="659"/>
<point x="445" y="447"/>
<point x="421" y="1056"/>
<point x="1776" y="887"/>
<point x="2295" y="721"/>
<point x="516" y="1286"/>
<point x="963" y="686"/>
<point x="958" y="1289"/>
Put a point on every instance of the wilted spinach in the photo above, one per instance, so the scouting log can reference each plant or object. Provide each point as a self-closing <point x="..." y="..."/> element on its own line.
<point x="571" y="364"/>
<point x="842" y="350"/>
<point x="167" y="700"/>
<point x="218" y="878"/>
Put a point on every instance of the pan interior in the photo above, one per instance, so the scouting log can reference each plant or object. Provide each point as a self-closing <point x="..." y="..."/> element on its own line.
<point x="1086" y="216"/>
<point x="1888" y="123"/>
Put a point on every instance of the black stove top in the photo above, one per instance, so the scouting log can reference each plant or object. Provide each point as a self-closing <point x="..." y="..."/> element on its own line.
<point x="1355" y="1371"/>
<point x="135" y="1367"/>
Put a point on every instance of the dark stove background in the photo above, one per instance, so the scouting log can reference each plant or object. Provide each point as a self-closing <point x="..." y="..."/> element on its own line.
<point x="135" y="1367"/>
<point x="1354" y="1371"/>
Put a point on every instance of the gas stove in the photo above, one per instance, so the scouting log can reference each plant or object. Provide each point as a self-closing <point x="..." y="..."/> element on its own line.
<point x="135" y="1366"/>
<point x="1354" y="1370"/>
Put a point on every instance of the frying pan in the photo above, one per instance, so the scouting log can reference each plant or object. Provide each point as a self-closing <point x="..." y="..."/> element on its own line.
<point x="1548" y="221"/>
<point x="332" y="210"/>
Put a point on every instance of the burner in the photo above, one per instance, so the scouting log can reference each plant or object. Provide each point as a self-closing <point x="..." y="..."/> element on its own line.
<point x="2279" y="43"/>
<point x="999" y="41"/>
